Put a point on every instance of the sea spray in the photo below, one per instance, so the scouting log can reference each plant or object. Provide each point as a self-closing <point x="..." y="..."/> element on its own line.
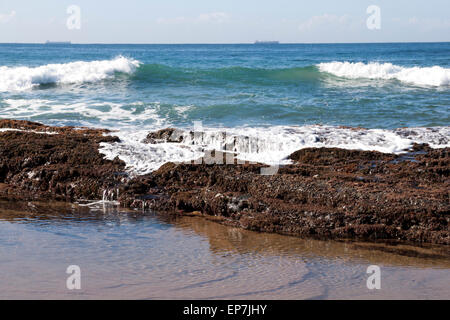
<point x="423" y="76"/>
<point x="23" y="78"/>
<point x="270" y="145"/>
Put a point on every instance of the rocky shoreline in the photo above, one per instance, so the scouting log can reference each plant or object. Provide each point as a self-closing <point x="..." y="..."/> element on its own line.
<point x="325" y="193"/>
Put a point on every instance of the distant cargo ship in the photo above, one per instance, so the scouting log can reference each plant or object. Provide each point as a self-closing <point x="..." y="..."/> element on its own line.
<point x="58" y="42"/>
<point x="266" y="42"/>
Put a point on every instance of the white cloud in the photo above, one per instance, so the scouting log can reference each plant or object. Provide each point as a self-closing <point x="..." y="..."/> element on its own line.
<point x="5" y="17"/>
<point x="212" y="17"/>
<point x="325" y="20"/>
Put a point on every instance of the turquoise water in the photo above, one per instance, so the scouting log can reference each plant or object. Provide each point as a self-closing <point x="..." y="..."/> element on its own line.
<point x="227" y="85"/>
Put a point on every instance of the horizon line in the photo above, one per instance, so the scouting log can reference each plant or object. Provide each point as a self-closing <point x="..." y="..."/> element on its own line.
<point x="221" y="43"/>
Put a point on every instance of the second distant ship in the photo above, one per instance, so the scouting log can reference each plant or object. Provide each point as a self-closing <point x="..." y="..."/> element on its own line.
<point x="266" y="42"/>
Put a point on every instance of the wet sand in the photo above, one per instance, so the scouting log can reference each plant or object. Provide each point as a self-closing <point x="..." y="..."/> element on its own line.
<point x="127" y="254"/>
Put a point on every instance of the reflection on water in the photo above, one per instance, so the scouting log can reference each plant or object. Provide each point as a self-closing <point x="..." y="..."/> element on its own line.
<point x="135" y="255"/>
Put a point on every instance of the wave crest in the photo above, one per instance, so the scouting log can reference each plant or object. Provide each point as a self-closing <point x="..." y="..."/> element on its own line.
<point x="23" y="78"/>
<point x="424" y="76"/>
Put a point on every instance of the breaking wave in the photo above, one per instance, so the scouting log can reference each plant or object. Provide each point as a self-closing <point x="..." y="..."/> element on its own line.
<point x="23" y="78"/>
<point x="422" y="76"/>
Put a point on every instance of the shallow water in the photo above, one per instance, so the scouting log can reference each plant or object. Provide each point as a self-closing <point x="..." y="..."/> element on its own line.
<point x="135" y="255"/>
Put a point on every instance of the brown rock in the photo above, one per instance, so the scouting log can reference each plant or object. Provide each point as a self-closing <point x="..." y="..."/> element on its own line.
<point x="326" y="193"/>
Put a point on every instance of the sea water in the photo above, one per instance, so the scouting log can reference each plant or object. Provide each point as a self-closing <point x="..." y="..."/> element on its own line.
<point x="273" y="98"/>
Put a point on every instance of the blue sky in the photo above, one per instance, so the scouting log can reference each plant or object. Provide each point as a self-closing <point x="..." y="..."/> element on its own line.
<point x="225" y="21"/>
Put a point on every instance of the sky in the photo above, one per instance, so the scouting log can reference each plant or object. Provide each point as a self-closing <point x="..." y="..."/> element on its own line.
<point x="225" y="21"/>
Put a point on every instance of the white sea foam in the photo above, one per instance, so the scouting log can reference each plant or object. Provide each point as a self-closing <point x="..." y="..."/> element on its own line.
<point x="23" y="78"/>
<point x="125" y="114"/>
<point x="422" y="76"/>
<point x="265" y="145"/>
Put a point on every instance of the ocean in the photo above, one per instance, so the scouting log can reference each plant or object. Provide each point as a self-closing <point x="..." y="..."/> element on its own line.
<point x="270" y="99"/>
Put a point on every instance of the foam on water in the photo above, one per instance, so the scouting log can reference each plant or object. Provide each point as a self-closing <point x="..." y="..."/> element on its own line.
<point x="105" y="112"/>
<point x="265" y="145"/>
<point x="23" y="78"/>
<point x="423" y="76"/>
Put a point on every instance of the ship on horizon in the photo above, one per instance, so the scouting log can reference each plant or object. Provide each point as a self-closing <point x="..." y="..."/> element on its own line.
<point x="266" y="42"/>
<point x="57" y="42"/>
